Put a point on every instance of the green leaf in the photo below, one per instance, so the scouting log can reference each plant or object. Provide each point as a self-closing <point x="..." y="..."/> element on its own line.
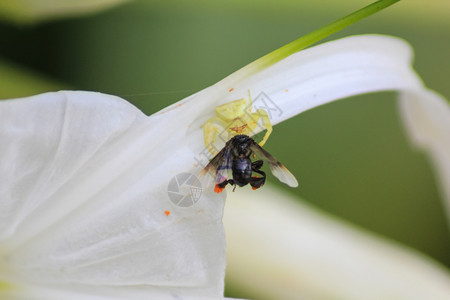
<point x="319" y="34"/>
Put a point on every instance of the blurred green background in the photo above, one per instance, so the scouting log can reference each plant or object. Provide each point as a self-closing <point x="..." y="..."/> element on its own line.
<point x="352" y="157"/>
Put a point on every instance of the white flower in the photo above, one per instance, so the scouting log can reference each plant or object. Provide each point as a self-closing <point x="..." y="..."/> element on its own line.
<point x="279" y="248"/>
<point x="83" y="200"/>
<point x="84" y="208"/>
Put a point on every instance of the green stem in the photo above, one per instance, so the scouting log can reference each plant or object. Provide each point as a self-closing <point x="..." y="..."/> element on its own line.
<point x="319" y="34"/>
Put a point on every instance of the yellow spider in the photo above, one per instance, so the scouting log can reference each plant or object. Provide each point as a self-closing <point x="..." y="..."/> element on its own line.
<point x="234" y="118"/>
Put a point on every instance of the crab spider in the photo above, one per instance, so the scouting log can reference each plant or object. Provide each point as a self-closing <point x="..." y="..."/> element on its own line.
<point x="235" y="118"/>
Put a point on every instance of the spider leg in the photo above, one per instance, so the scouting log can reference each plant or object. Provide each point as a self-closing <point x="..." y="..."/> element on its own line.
<point x="249" y="105"/>
<point x="211" y="129"/>
<point x="253" y="118"/>
<point x="267" y="124"/>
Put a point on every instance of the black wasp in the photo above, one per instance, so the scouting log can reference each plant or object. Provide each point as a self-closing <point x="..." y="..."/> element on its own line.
<point x="235" y="158"/>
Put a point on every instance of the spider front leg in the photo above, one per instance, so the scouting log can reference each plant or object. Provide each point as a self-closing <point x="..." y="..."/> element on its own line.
<point x="267" y="124"/>
<point x="210" y="131"/>
<point x="253" y="119"/>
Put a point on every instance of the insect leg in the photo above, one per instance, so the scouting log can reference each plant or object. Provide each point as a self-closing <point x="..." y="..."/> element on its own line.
<point x="257" y="182"/>
<point x="256" y="165"/>
<point x="221" y="186"/>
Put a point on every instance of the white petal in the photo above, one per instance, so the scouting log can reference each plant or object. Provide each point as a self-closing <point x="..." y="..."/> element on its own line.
<point x="84" y="194"/>
<point x="285" y="250"/>
<point x="84" y="292"/>
<point x="50" y="137"/>
<point x="427" y="118"/>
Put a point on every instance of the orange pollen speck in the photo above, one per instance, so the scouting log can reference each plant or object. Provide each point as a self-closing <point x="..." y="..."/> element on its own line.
<point x="167" y="212"/>
<point x="286" y="90"/>
<point x="179" y="104"/>
<point x="230" y="90"/>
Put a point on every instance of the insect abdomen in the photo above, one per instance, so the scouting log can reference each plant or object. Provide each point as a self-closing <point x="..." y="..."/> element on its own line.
<point x="242" y="171"/>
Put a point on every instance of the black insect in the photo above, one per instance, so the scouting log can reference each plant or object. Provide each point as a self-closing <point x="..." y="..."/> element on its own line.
<point x="233" y="165"/>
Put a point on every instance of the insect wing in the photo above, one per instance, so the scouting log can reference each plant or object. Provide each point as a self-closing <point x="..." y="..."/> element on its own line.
<point x="223" y="171"/>
<point x="277" y="169"/>
<point x="220" y="166"/>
